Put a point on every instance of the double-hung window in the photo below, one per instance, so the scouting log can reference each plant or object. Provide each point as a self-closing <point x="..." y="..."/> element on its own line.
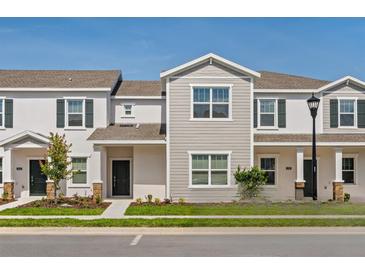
<point x="211" y="103"/>
<point x="128" y="110"/>
<point x="347" y="112"/>
<point x="75" y="112"/>
<point x="268" y="164"/>
<point x="79" y="170"/>
<point x="209" y="169"/>
<point x="348" y="170"/>
<point x="267" y="113"/>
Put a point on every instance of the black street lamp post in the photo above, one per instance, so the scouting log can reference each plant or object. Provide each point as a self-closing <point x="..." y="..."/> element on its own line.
<point x="313" y="104"/>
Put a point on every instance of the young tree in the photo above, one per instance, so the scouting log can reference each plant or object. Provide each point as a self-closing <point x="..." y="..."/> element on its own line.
<point x="56" y="164"/>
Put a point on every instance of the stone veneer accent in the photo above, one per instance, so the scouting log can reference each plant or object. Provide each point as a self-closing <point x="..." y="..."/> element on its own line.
<point x="97" y="191"/>
<point x="338" y="194"/>
<point x="9" y="190"/>
<point x="299" y="190"/>
<point x="50" y="189"/>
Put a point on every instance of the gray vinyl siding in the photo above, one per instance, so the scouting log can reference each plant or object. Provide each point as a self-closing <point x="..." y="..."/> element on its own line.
<point x="186" y="135"/>
<point x="337" y="92"/>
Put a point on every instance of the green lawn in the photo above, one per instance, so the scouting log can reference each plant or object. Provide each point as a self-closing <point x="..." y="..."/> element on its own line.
<point x="38" y="211"/>
<point x="249" y="209"/>
<point x="68" y="222"/>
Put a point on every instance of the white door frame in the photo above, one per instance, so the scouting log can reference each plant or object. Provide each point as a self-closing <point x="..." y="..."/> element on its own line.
<point x="110" y="185"/>
<point x="28" y="170"/>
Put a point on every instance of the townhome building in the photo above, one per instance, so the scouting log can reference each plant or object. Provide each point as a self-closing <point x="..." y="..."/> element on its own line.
<point x="184" y="135"/>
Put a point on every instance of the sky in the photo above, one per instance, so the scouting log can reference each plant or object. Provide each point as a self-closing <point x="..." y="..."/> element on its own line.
<point x="323" y="48"/>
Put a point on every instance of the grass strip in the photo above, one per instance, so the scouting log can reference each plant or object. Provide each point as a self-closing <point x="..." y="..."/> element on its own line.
<point x="69" y="222"/>
<point x="38" y="211"/>
<point x="248" y="209"/>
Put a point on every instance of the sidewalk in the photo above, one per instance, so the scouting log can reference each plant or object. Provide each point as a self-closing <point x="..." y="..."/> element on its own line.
<point x="18" y="202"/>
<point x="120" y="216"/>
<point x="182" y="231"/>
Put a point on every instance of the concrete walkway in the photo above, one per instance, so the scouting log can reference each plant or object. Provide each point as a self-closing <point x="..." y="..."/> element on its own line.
<point x="19" y="202"/>
<point x="117" y="209"/>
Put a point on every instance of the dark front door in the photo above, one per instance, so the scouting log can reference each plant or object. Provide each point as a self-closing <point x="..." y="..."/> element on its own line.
<point x="37" y="178"/>
<point x="308" y="186"/>
<point x="121" y="178"/>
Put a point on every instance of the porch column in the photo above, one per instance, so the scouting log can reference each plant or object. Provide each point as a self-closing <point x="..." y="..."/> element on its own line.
<point x="98" y="168"/>
<point x="338" y="164"/>
<point x="299" y="183"/>
<point x="337" y="190"/>
<point x="8" y="166"/>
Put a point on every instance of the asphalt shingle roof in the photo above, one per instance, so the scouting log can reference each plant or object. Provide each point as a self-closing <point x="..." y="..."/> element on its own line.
<point x="138" y="88"/>
<point x="117" y="132"/>
<point x="58" y="78"/>
<point x="274" y="80"/>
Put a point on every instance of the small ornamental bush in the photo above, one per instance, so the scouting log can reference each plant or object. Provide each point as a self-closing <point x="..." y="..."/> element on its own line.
<point x="181" y="201"/>
<point x="346" y="197"/>
<point x="139" y="201"/>
<point x="149" y="198"/>
<point x="157" y="201"/>
<point x="250" y="181"/>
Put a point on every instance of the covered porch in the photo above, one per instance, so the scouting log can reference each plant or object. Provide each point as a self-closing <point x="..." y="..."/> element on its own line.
<point x="129" y="162"/>
<point x="339" y="158"/>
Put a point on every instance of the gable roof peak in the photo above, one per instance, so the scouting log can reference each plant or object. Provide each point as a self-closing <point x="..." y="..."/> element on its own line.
<point x="204" y="58"/>
<point x="347" y="79"/>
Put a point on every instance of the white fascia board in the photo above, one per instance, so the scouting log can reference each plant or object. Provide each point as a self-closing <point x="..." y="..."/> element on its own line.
<point x="138" y="97"/>
<point x="22" y="135"/>
<point x="55" y="89"/>
<point x="207" y="57"/>
<point x="295" y="91"/>
<point x="340" y="81"/>
<point x="128" y="142"/>
<point x="324" y="144"/>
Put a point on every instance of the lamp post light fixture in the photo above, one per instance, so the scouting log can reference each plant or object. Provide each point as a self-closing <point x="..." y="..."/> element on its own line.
<point x="313" y="104"/>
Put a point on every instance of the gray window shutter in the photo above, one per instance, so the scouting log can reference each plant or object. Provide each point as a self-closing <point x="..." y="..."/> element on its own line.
<point x="89" y="113"/>
<point x="282" y="113"/>
<point x="333" y="113"/>
<point x="255" y="113"/>
<point x="60" y="113"/>
<point x="361" y="113"/>
<point x="8" y="113"/>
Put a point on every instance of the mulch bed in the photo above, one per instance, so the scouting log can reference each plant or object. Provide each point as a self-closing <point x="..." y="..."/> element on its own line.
<point x="66" y="202"/>
<point x="3" y="202"/>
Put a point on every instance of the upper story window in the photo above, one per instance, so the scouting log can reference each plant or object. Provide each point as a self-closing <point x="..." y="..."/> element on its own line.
<point x="211" y="103"/>
<point x="75" y="113"/>
<point x="267" y="113"/>
<point x="128" y="110"/>
<point x="347" y="112"/>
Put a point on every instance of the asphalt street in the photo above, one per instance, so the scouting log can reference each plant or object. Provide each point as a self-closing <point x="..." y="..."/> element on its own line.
<point x="182" y="245"/>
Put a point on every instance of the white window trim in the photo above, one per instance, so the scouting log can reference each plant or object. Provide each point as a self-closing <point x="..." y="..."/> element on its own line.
<point x="132" y="115"/>
<point x="259" y="114"/>
<point x="211" y="86"/>
<point x="228" y="153"/>
<point x="71" y="183"/>
<point x="354" y="156"/>
<point x="3" y="119"/>
<point x="339" y="112"/>
<point x="276" y="156"/>
<point x="83" y="99"/>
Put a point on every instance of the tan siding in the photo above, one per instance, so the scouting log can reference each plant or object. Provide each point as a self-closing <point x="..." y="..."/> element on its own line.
<point x="186" y="135"/>
<point x="340" y="91"/>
